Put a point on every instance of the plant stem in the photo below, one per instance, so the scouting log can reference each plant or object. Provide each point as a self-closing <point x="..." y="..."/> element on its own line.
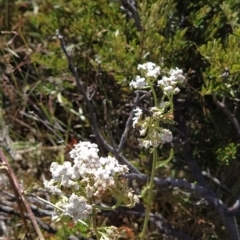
<point x="94" y="225"/>
<point x="154" y="95"/>
<point x="150" y="195"/>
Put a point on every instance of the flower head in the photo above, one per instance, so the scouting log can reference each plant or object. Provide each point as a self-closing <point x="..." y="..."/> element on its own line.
<point x="91" y="173"/>
<point x="78" y="208"/>
<point x="138" y="82"/>
<point x="177" y="74"/>
<point x="166" y="135"/>
<point x="150" y="68"/>
<point x="49" y="185"/>
<point x="168" y="84"/>
<point x="137" y="116"/>
<point x="62" y="173"/>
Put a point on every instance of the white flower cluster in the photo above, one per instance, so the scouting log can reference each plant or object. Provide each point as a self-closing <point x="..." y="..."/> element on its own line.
<point x="168" y="84"/>
<point x="62" y="173"/>
<point x="150" y="70"/>
<point x="138" y="82"/>
<point x="137" y="115"/>
<point x="156" y="138"/>
<point x="96" y="175"/>
<point x="78" y="207"/>
<point x="92" y="168"/>
<point x="153" y="135"/>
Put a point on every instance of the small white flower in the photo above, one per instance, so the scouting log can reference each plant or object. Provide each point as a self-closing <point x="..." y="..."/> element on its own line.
<point x="84" y="148"/>
<point x="154" y="72"/>
<point x="62" y="173"/>
<point x="145" y="143"/>
<point x="176" y="90"/>
<point x="103" y="161"/>
<point x="168" y="89"/>
<point x="137" y="116"/>
<point x="138" y="82"/>
<point x="166" y="135"/>
<point x="151" y="69"/>
<point x="177" y="75"/>
<point x="157" y="112"/>
<point x="133" y="199"/>
<point x="168" y="84"/>
<point x="143" y="131"/>
<point x="155" y="139"/>
<point x="49" y="185"/>
<point x="78" y="208"/>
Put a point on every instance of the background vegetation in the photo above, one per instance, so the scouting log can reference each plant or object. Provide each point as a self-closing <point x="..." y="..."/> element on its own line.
<point x="43" y="114"/>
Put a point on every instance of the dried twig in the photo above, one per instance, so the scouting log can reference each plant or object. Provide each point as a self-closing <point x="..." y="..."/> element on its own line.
<point x="227" y="112"/>
<point x="21" y="200"/>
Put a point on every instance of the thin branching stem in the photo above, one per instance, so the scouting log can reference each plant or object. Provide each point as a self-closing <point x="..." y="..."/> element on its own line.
<point x="150" y="195"/>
